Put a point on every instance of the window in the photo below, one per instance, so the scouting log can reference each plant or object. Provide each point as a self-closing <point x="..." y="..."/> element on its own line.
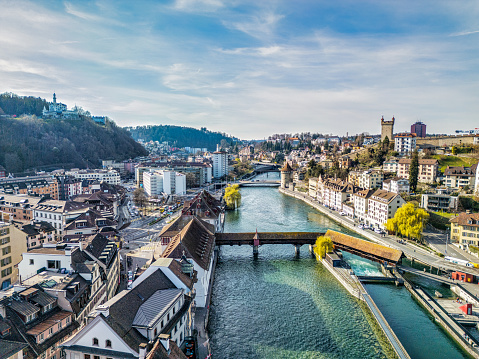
<point x="6" y="272"/>
<point x="53" y="264"/>
<point x="5" y="240"/>
<point x="95" y="341"/>
<point x="6" y="250"/>
<point x="32" y="262"/>
<point x="86" y="356"/>
<point x="6" y="261"/>
<point x="108" y="343"/>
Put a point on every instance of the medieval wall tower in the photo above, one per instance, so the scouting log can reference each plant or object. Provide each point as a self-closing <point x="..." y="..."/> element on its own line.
<point x="387" y="128"/>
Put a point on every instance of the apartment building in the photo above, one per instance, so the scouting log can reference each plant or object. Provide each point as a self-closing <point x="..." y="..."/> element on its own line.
<point x="220" y="164"/>
<point x="396" y="185"/>
<point x="460" y="176"/>
<point x="382" y="205"/>
<point x="159" y="181"/>
<point x="42" y="185"/>
<point x="18" y="208"/>
<point x="427" y="171"/>
<point x="390" y="166"/>
<point x="108" y="176"/>
<point x="371" y="179"/>
<point x="405" y="143"/>
<point x="465" y="229"/>
<point x="438" y="202"/>
<point x="58" y="213"/>
<point x="13" y="243"/>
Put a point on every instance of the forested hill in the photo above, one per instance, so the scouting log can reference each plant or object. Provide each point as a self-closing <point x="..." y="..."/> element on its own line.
<point x="11" y="104"/>
<point x="28" y="143"/>
<point x="180" y="136"/>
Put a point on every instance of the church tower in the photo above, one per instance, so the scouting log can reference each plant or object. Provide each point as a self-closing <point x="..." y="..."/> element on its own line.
<point x="387" y="128"/>
<point x="54" y="98"/>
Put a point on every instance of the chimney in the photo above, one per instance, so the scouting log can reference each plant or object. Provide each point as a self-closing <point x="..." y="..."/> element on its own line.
<point x="103" y="309"/>
<point x="142" y="351"/>
<point x="165" y="341"/>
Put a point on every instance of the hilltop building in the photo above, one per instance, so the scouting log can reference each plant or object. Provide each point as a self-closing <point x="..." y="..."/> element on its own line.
<point x="59" y="110"/>
<point x="387" y="128"/>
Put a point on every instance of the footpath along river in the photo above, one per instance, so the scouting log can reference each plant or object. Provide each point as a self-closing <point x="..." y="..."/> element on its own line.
<point x="277" y="306"/>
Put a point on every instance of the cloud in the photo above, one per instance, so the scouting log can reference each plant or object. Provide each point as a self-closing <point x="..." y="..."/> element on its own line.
<point x="464" y="33"/>
<point x="261" y="25"/>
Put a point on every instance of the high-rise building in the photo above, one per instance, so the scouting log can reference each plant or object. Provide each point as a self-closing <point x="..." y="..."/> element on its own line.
<point x="220" y="164"/>
<point x="387" y="128"/>
<point x="405" y="143"/>
<point x="419" y="129"/>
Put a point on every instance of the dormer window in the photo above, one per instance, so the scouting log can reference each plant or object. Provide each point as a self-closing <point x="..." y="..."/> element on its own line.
<point x="95" y="341"/>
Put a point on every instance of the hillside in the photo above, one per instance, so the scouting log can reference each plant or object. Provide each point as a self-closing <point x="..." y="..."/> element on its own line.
<point x="28" y="143"/>
<point x="180" y="136"/>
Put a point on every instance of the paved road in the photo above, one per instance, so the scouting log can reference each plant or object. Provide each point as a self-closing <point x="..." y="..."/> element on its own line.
<point x="409" y="249"/>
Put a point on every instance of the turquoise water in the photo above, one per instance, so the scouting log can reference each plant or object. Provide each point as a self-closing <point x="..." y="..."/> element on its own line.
<point x="279" y="306"/>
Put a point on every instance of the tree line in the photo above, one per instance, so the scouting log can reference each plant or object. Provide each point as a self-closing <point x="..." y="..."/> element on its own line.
<point x="14" y="105"/>
<point x="180" y="136"/>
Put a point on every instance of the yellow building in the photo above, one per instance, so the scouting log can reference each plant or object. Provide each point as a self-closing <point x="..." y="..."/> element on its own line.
<point x="465" y="229"/>
<point x="13" y="243"/>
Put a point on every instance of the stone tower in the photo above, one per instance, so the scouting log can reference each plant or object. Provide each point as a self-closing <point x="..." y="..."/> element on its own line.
<point x="387" y="128"/>
<point x="286" y="172"/>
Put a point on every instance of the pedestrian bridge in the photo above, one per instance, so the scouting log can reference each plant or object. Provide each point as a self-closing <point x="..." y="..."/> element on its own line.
<point x="259" y="183"/>
<point x="360" y="247"/>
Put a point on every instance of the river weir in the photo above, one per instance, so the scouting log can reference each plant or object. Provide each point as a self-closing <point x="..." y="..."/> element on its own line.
<point x="283" y="306"/>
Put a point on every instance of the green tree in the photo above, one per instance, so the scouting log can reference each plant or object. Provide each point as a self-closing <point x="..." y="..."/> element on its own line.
<point x="454" y="150"/>
<point x="408" y="222"/>
<point x="323" y="245"/>
<point x="385" y="144"/>
<point x="232" y="196"/>
<point x="414" y="171"/>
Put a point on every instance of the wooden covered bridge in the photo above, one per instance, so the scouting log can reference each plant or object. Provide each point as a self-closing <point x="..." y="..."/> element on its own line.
<point x="360" y="247"/>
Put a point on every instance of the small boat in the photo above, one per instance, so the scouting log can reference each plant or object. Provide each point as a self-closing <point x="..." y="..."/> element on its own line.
<point x="438" y="294"/>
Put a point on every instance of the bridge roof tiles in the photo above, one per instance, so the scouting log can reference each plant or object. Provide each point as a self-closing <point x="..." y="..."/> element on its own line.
<point x="386" y="253"/>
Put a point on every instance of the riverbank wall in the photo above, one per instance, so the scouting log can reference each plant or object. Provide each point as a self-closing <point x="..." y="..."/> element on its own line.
<point x="354" y="286"/>
<point x="460" y="335"/>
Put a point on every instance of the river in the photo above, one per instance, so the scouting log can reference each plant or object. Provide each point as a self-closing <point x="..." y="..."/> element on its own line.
<point x="277" y="306"/>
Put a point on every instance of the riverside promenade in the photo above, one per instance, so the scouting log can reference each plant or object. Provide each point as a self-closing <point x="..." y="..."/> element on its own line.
<point x="411" y="250"/>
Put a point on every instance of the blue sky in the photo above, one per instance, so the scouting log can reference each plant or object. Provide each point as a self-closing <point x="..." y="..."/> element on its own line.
<point x="250" y="68"/>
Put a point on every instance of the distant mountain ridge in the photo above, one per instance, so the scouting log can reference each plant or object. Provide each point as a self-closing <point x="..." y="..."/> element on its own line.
<point x="180" y="136"/>
<point x="29" y="143"/>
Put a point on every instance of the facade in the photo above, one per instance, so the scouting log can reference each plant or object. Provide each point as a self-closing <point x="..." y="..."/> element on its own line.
<point x="335" y="192"/>
<point x="154" y="314"/>
<point x="3" y="172"/>
<point x="387" y="129"/>
<point x="13" y="243"/>
<point x="157" y="182"/>
<point x="396" y="185"/>
<point x="220" y="164"/>
<point x="419" y="129"/>
<point x="382" y="205"/>
<point x="465" y="229"/>
<point x="18" y="208"/>
<point x="360" y="203"/>
<point x="427" y="173"/>
<point x="439" y="202"/>
<point x="405" y="143"/>
<point x="58" y="213"/>
<point x="371" y="179"/>
<point x="313" y="187"/>
<point x="286" y="175"/>
<point x="43" y="185"/>
<point x="460" y="176"/>
<point x="68" y="187"/>
<point x="390" y="166"/>
<point x="108" y="176"/>
<point x="39" y="233"/>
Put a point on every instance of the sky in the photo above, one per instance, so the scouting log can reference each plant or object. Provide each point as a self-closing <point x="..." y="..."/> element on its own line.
<point x="250" y="68"/>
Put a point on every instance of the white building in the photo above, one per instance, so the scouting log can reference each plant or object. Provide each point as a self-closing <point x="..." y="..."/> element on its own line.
<point x="220" y="164"/>
<point x="396" y="185"/>
<point x="108" y="176"/>
<point x="382" y="205"/>
<point x="58" y="213"/>
<point x="159" y="181"/>
<point x="154" y="316"/>
<point x="405" y="143"/>
<point x="390" y="166"/>
<point x="371" y="179"/>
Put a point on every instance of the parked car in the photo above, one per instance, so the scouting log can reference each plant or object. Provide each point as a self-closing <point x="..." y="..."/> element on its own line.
<point x="342" y="213"/>
<point x="360" y="226"/>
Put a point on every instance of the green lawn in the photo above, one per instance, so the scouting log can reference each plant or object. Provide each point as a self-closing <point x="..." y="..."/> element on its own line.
<point x="445" y="161"/>
<point x="445" y="214"/>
